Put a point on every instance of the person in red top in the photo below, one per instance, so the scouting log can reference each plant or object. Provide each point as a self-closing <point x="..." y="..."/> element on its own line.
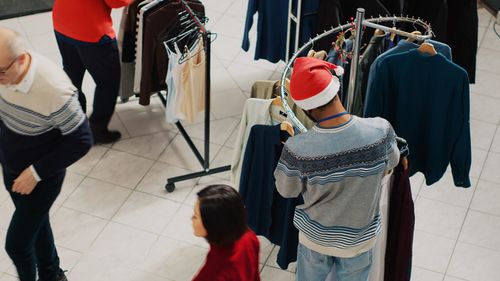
<point x="87" y="41"/>
<point x="219" y="217"/>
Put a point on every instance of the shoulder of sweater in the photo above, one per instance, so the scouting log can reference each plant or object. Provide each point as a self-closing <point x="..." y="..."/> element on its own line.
<point x="52" y="77"/>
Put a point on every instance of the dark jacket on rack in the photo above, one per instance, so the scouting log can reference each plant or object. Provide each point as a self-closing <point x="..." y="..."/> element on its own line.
<point x="399" y="245"/>
<point x="426" y="99"/>
<point x="454" y="22"/>
<point x="375" y="48"/>
<point x="154" y="57"/>
<point x="269" y="214"/>
<point x="272" y="27"/>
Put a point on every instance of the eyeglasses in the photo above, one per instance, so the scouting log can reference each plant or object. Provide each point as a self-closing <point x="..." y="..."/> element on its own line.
<point x="4" y="70"/>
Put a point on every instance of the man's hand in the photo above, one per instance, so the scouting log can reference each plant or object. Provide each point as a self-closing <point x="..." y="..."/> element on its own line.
<point x="25" y="183"/>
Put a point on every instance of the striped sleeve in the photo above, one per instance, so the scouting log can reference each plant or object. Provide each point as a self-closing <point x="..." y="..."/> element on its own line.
<point x="69" y="117"/>
<point x="289" y="181"/>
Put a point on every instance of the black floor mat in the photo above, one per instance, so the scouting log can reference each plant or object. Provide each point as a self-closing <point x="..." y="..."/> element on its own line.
<point x="17" y="8"/>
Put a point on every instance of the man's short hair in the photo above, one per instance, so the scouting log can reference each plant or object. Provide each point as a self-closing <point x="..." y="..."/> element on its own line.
<point x="223" y="214"/>
<point x="16" y="45"/>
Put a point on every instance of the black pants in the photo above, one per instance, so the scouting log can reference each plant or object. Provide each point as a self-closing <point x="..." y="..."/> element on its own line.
<point x="102" y="61"/>
<point x="29" y="242"/>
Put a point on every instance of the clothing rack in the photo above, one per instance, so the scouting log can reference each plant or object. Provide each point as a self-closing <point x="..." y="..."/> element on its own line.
<point x="372" y="23"/>
<point x="204" y="160"/>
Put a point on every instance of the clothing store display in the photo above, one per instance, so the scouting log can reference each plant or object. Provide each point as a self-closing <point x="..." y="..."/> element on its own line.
<point x="426" y="99"/>
<point x="174" y="87"/>
<point x="193" y="83"/>
<point x="265" y="89"/>
<point x="462" y="34"/>
<point x="269" y="214"/>
<point x="372" y="51"/>
<point x="453" y="22"/>
<point x="255" y="111"/>
<point x="401" y="222"/>
<point x="145" y="7"/>
<point x="148" y="25"/>
<point x="353" y="158"/>
<point x="272" y="25"/>
<point x="239" y="261"/>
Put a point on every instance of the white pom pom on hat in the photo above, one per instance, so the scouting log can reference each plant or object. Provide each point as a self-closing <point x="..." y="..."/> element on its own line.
<point x="312" y="84"/>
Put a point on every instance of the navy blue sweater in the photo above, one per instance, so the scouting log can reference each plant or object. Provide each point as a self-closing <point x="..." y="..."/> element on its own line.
<point x="426" y="99"/>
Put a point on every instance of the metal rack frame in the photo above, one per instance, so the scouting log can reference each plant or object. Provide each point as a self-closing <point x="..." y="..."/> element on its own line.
<point x="204" y="160"/>
<point x="372" y="23"/>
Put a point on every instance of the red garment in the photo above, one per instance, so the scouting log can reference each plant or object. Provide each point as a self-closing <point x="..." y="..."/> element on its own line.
<point x="239" y="262"/>
<point x="87" y="20"/>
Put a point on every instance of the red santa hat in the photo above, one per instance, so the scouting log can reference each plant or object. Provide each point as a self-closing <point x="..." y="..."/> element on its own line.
<point x="312" y="84"/>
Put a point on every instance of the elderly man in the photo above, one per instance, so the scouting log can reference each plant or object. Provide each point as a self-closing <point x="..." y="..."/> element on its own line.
<point x="43" y="130"/>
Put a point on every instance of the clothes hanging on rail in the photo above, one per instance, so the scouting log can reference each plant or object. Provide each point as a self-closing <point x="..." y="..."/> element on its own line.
<point x="193" y="83"/>
<point x="268" y="213"/>
<point x="374" y="48"/>
<point x="147" y="30"/>
<point x="267" y="89"/>
<point x="255" y="111"/>
<point x="454" y="22"/>
<point x="174" y="85"/>
<point x="272" y="25"/>
<point x="401" y="224"/>
<point x="426" y="99"/>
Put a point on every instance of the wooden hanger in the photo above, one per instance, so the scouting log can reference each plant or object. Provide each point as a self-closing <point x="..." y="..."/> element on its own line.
<point x="287" y="127"/>
<point x="427" y="48"/>
<point x="416" y="32"/>
<point x="311" y="53"/>
<point x="320" y="55"/>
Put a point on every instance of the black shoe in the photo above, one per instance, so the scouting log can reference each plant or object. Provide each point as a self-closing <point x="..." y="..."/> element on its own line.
<point x="61" y="276"/>
<point x="105" y="136"/>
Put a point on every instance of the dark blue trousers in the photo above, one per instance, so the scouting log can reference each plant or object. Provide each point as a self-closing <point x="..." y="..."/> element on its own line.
<point x="30" y="242"/>
<point x="102" y="61"/>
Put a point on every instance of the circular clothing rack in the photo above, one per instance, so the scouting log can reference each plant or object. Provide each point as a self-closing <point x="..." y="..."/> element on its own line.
<point x="372" y="23"/>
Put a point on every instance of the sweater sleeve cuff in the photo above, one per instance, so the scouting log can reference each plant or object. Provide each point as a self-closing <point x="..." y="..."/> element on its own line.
<point x="461" y="181"/>
<point x="35" y="174"/>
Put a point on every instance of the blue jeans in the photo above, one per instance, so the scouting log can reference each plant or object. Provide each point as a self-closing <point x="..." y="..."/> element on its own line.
<point x="313" y="266"/>
<point x="30" y="242"/>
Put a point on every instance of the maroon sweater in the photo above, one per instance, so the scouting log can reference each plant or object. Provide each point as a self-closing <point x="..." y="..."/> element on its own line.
<point x="238" y="262"/>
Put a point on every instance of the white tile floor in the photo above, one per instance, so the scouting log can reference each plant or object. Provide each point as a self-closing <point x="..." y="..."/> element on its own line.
<point x="114" y="220"/>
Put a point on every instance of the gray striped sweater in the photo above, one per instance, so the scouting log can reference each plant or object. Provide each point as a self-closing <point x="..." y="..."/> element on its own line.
<point x="339" y="172"/>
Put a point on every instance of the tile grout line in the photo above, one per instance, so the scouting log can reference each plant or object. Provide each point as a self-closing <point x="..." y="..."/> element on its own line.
<point x="468" y="209"/>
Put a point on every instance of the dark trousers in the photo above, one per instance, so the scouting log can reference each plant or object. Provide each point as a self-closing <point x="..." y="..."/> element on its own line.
<point x="29" y="242"/>
<point x="102" y="61"/>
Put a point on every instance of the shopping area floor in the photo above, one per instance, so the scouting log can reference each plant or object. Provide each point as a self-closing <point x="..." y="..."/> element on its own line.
<point x="114" y="220"/>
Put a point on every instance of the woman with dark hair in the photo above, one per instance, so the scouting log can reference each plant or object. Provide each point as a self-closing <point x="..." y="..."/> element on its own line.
<point x="219" y="217"/>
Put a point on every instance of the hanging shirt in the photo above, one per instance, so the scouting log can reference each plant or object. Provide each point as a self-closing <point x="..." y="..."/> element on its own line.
<point x="426" y="99"/>
<point x="268" y="213"/>
<point x="255" y="111"/>
<point x="193" y="83"/>
<point x="272" y="27"/>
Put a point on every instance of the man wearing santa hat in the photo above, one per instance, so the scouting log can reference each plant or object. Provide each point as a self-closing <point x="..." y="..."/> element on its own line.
<point x="338" y="167"/>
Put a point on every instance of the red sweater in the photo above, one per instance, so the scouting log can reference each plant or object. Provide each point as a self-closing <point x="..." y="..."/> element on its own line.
<point x="86" y="20"/>
<point x="239" y="262"/>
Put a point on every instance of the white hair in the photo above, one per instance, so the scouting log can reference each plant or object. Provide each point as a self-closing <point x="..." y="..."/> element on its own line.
<point x="16" y="44"/>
